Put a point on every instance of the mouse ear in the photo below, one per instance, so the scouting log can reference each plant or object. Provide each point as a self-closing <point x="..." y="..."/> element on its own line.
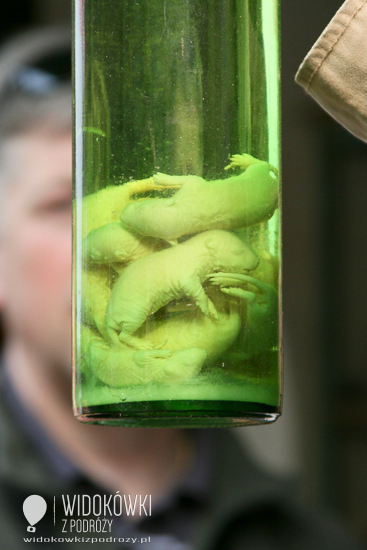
<point x="211" y="243"/>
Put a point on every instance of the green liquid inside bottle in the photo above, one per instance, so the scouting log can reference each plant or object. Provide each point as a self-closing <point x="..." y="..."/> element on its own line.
<point x="176" y="213"/>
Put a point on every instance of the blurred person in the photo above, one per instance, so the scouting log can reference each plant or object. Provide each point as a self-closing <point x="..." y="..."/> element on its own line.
<point x="205" y="494"/>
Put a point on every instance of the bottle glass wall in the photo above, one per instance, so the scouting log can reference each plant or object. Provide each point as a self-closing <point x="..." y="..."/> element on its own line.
<point x="176" y="212"/>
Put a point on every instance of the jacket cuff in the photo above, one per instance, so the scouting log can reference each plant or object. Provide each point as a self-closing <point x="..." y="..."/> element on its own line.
<point x="334" y="72"/>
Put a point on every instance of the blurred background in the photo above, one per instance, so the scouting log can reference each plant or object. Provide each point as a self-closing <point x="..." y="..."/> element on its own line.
<point x="322" y="435"/>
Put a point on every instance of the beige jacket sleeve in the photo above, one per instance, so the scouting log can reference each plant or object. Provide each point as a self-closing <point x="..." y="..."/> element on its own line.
<point x="335" y="70"/>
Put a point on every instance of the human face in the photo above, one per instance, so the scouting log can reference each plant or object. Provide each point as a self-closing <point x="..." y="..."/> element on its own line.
<point x="35" y="246"/>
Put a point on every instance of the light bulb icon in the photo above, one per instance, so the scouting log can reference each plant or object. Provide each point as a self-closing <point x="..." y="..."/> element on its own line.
<point x="34" y="508"/>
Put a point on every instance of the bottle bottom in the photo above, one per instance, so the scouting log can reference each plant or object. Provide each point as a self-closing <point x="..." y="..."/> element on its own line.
<point x="179" y="414"/>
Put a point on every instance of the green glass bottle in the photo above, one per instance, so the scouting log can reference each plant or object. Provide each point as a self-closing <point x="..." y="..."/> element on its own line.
<point x="176" y="212"/>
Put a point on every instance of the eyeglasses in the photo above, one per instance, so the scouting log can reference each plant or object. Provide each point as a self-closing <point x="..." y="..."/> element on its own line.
<point x="44" y="76"/>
